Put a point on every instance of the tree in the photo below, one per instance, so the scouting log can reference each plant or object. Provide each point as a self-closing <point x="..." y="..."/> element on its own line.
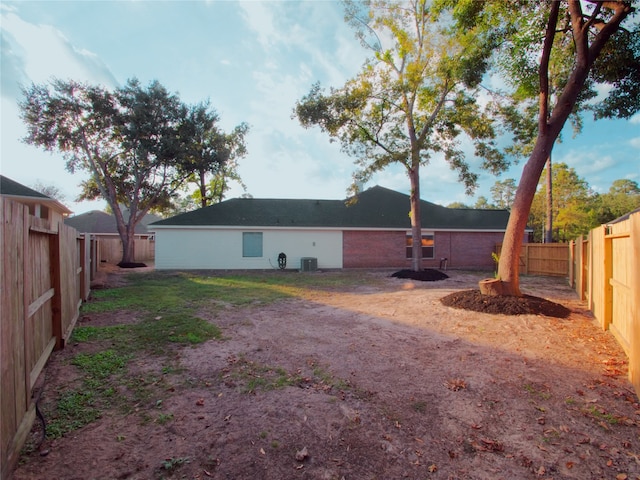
<point x="460" y="205"/>
<point x="572" y="207"/>
<point x="127" y="140"/>
<point x="483" y="204"/>
<point x="586" y="48"/>
<point x="623" y="197"/>
<point x="502" y="193"/>
<point x="50" y="190"/>
<point x="411" y="101"/>
<point x="211" y="151"/>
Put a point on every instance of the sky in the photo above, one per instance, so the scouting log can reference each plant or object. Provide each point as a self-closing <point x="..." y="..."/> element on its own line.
<point x="253" y="60"/>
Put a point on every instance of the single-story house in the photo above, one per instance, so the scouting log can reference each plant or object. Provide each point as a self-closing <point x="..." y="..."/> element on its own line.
<point x="103" y="227"/>
<point x="372" y="232"/>
<point x="39" y="204"/>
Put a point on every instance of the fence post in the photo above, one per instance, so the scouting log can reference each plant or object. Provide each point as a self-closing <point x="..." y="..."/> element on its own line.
<point x="56" y="300"/>
<point x="572" y="262"/>
<point x="608" y="275"/>
<point x="634" y="283"/>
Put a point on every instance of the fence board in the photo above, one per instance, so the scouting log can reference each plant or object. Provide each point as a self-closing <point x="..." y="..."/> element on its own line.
<point x="13" y="392"/>
<point x="610" y="265"/>
<point x="110" y="249"/>
<point x="42" y="277"/>
<point x="543" y="259"/>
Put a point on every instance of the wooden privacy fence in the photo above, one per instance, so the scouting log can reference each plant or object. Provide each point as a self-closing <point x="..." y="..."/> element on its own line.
<point x="606" y="273"/>
<point x="543" y="259"/>
<point x="45" y="276"/>
<point x="110" y="249"/>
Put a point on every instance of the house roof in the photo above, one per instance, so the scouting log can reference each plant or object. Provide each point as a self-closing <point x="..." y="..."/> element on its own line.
<point x="376" y="207"/>
<point x="97" y="221"/>
<point x="12" y="189"/>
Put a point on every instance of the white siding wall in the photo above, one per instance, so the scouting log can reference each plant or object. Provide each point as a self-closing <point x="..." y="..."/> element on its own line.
<point x="184" y="249"/>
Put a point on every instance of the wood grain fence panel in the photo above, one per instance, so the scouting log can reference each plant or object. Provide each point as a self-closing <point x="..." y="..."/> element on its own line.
<point x="38" y="324"/>
<point x="548" y="259"/>
<point x="634" y="312"/>
<point x="111" y="249"/>
<point x="543" y="259"/>
<point x="598" y="276"/>
<point x="13" y="391"/>
<point x="42" y="279"/>
<point x="70" y="297"/>
<point x="610" y="263"/>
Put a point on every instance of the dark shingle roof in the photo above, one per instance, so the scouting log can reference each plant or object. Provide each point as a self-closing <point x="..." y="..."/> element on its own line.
<point x="11" y="187"/>
<point x="97" y="221"/>
<point x="376" y="207"/>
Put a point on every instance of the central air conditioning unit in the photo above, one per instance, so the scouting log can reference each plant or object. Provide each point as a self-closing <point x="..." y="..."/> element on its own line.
<point x="308" y="264"/>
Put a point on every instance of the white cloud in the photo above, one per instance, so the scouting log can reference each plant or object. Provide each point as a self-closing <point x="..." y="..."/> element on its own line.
<point x="37" y="53"/>
<point x="45" y="52"/>
<point x="635" y="142"/>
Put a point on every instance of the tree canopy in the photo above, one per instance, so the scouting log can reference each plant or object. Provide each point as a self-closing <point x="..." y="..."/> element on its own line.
<point x="133" y="142"/>
<point x="211" y="151"/>
<point x="413" y="101"/>
<point x="557" y="57"/>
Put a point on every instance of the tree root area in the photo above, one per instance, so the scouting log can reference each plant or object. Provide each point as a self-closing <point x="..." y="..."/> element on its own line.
<point x="505" y="304"/>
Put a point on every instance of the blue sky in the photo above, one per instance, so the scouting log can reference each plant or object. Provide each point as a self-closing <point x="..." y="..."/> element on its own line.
<point x="253" y="60"/>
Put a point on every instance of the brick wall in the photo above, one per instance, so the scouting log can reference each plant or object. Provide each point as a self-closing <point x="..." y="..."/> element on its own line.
<point x="374" y="249"/>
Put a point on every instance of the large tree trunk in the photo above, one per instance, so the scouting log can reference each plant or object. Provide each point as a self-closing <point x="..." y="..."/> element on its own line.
<point x="549" y="126"/>
<point x="509" y="265"/>
<point x="203" y="189"/>
<point x="128" y="248"/>
<point x="416" y="229"/>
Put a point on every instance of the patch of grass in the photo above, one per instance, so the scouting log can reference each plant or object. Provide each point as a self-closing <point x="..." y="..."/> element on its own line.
<point x="74" y="409"/>
<point x="100" y="365"/>
<point x="171" y="464"/>
<point x="601" y="415"/>
<point x="164" y="418"/>
<point x="158" y="292"/>
<point x="263" y="377"/>
<point x="542" y="393"/>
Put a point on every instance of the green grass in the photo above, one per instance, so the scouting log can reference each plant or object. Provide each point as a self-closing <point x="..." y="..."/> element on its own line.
<point x="100" y="365"/>
<point x="601" y="415"/>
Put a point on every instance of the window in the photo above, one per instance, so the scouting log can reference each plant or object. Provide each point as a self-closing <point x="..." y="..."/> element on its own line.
<point x="428" y="246"/>
<point x="252" y="244"/>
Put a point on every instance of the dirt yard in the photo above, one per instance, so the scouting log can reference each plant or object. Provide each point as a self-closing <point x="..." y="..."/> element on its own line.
<point x="391" y="384"/>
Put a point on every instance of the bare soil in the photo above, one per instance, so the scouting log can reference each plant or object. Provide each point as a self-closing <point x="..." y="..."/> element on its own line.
<point x="392" y="384"/>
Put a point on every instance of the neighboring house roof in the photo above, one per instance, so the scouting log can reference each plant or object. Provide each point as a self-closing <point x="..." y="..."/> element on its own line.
<point x="12" y="189"/>
<point x="376" y="207"/>
<point x="97" y="221"/>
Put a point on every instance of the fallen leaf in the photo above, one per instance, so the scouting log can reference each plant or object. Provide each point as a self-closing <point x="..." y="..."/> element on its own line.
<point x="200" y="402"/>
<point x="262" y="451"/>
<point x="621" y="476"/>
<point x="432" y="468"/>
<point x="570" y="465"/>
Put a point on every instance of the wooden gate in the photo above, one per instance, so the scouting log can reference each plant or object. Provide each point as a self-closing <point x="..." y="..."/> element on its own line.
<point x="618" y="304"/>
